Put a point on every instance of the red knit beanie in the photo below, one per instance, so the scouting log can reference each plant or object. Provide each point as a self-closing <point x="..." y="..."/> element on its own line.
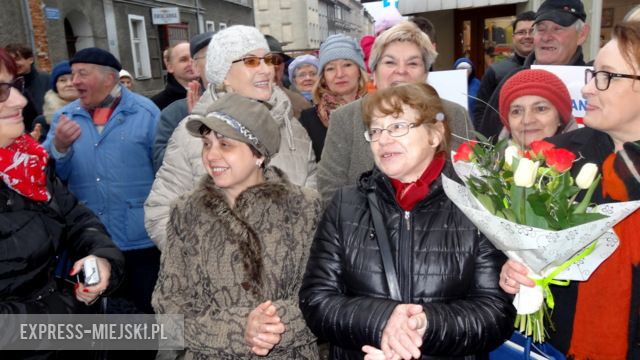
<point x="535" y="82"/>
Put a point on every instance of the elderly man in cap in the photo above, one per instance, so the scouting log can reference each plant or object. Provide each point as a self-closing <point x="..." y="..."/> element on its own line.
<point x="102" y="146"/>
<point x="559" y="32"/>
<point x="178" y="110"/>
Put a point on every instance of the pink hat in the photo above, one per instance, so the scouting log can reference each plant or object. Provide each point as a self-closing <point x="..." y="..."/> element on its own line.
<point x="390" y="17"/>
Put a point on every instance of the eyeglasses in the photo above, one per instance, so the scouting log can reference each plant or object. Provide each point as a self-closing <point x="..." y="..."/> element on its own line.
<point x="396" y="130"/>
<point x="603" y="78"/>
<point x="254" y="61"/>
<point x="303" y="75"/>
<point x="5" y="88"/>
<point x="524" y="32"/>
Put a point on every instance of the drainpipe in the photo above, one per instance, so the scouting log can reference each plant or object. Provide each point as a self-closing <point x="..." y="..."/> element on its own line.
<point x="199" y="18"/>
<point x="594" y="33"/>
<point x="28" y="24"/>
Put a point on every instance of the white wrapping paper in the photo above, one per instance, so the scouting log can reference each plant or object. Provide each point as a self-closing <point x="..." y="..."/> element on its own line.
<point x="543" y="250"/>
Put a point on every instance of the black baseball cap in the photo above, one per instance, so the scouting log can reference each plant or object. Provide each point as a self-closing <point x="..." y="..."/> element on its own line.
<point x="561" y="12"/>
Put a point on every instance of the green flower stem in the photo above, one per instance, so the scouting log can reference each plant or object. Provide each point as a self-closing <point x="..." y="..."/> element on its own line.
<point x="582" y="207"/>
<point x="534" y="324"/>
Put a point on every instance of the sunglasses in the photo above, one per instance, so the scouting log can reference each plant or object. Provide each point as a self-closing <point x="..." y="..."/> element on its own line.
<point x="5" y="88"/>
<point x="254" y="61"/>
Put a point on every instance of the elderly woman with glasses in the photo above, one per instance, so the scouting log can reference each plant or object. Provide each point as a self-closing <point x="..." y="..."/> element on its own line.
<point x="238" y="60"/>
<point x="303" y="73"/>
<point x="396" y="269"/>
<point x="598" y="318"/>
<point x="40" y="220"/>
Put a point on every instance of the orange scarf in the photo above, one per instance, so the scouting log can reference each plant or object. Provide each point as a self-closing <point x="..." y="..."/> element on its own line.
<point x="601" y="323"/>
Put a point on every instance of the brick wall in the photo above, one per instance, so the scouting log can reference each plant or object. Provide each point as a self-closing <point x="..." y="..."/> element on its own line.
<point x="41" y="50"/>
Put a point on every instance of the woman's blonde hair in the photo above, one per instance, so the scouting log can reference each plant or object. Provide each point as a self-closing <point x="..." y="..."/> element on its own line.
<point x="419" y="96"/>
<point x="320" y="87"/>
<point x="405" y="31"/>
<point x="628" y="36"/>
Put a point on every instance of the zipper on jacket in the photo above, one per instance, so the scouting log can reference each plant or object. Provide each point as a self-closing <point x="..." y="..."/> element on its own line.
<point x="407" y="219"/>
<point x="405" y="259"/>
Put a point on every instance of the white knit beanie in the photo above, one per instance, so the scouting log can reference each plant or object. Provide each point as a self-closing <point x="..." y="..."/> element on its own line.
<point x="228" y="45"/>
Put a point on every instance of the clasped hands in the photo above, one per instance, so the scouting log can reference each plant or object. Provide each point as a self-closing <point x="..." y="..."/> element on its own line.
<point x="264" y="328"/>
<point x="402" y="336"/>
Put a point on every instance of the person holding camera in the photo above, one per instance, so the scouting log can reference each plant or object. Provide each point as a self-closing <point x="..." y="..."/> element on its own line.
<point x="40" y="219"/>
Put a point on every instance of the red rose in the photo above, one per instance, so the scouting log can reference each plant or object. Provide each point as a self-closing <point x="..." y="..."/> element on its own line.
<point x="559" y="159"/>
<point x="538" y="147"/>
<point x="464" y="151"/>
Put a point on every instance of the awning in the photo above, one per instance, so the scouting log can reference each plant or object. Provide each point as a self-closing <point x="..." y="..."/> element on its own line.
<point x="408" y="7"/>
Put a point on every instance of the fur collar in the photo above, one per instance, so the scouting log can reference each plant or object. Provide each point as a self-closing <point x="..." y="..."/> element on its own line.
<point x="250" y="205"/>
<point x="52" y="103"/>
<point x="275" y="187"/>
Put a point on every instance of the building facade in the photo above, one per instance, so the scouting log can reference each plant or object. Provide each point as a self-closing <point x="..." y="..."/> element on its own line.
<point x="56" y="29"/>
<point x="302" y="25"/>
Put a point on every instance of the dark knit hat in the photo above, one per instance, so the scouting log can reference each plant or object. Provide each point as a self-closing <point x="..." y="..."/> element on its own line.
<point x="199" y="41"/>
<point x="276" y="47"/>
<point x="61" y="68"/>
<point x="535" y="82"/>
<point x="96" y="56"/>
<point x="240" y="118"/>
<point x="561" y="12"/>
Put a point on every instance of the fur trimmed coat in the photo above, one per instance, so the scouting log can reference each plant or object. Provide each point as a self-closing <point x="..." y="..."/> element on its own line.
<point x="220" y="263"/>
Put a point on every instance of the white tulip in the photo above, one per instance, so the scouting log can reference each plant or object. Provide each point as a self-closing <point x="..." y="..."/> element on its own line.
<point x="511" y="152"/>
<point x="528" y="300"/>
<point x="586" y="175"/>
<point x="526" y="172"/>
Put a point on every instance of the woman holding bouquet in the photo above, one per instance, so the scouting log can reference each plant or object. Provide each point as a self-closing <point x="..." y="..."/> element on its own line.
<point x="534" y="104"/>
<point x="599" y="318"/>
<point x="396" y="269"/>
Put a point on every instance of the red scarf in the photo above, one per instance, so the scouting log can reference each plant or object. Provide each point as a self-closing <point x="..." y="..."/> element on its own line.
<point x="601" y="323"/>
<point x="22" y="166"/>
<point x="409" y="194"/>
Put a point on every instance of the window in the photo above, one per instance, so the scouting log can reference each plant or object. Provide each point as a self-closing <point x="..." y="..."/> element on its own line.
<point x="210" y="25"/>
<point x="287" y="33"/>
<point x="263" y="5"/>
<point x="222" y="26"/>
<point x="285" y="4"/>
<point x="139" y="47"/>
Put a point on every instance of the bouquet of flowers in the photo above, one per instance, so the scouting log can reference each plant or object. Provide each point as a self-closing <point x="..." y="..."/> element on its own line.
<point x="525" y="203"/>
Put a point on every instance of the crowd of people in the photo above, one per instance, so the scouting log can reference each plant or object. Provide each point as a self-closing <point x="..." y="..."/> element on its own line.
<point x="281" y="202"/>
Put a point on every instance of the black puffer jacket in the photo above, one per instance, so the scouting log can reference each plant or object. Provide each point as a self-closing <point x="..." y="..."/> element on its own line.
<point x="442" y="262"/>
<point x="32" y="234"/>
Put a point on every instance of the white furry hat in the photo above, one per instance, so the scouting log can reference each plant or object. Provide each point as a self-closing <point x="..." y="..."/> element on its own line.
<point x="228" y="45"/>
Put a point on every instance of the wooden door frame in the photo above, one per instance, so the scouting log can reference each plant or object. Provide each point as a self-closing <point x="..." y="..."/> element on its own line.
<point x="477" y="17"/>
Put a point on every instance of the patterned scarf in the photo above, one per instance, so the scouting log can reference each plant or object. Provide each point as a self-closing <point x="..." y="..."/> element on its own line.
<point x="101" y="113"/>
<point x="22" y="166"/>
<point x="328" y="103"/>
<point x="409" y="194"/>
<point x="601" y="323"/>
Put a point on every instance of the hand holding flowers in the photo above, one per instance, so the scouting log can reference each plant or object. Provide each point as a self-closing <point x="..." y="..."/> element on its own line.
<point x="525" y="203"/>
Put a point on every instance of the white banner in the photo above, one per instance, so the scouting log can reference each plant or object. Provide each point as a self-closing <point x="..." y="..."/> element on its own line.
<point x="573" y="78"/>
<point x="450" y="85"/>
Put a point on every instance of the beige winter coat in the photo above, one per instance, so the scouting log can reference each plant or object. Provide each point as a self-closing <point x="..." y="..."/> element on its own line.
<point x="182" y="165"/>
<point x="216" y="257"/>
